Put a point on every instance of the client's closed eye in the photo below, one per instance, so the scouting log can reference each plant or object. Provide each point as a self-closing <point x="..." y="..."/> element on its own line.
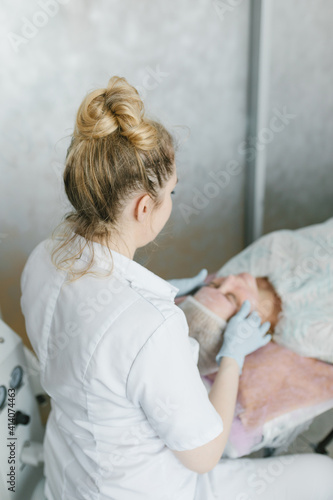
<point x="213" y="284"/>
<point x="231" y="297"/>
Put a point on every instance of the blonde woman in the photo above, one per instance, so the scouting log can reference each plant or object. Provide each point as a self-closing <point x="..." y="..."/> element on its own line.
<point x="131" y="418"/>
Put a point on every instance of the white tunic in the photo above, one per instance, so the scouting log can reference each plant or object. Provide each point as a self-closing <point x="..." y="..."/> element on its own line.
<point x="117" y="361"/>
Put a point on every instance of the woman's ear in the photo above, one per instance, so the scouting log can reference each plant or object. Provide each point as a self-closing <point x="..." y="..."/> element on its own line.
<point x="143" y="208"/>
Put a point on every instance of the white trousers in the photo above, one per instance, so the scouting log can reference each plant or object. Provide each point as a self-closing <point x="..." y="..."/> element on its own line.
<point x="289" y="477"/>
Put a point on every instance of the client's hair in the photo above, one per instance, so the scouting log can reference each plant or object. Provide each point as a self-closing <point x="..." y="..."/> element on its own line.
<point x="115" y="153"/>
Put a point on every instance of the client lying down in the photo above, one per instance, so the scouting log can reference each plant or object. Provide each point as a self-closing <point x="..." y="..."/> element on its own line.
<point x="288" y="277"/>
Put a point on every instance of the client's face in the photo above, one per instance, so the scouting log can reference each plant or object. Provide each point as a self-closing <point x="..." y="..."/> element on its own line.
<point x="224" y="296"/>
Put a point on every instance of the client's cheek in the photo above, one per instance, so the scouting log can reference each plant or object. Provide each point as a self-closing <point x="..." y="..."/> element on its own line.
<point x="206" y="295"/>
<point x="215" y="301"/>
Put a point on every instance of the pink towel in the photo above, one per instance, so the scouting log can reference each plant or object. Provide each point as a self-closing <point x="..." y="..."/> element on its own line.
<point x="275" y="381"/>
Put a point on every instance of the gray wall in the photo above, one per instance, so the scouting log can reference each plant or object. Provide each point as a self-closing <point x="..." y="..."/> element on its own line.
<point x="200" y="56"/>
<point x="189" y="60"/>
<point x="299" y="188"/>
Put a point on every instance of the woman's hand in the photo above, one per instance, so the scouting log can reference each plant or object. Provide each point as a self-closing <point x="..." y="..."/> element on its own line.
<point x="186" y="285"/>
<point x="243" y="335"/>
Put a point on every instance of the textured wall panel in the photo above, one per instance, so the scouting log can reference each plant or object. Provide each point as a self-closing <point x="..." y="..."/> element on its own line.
<point x="300" y="158"/>
<point x="190" y="65"/>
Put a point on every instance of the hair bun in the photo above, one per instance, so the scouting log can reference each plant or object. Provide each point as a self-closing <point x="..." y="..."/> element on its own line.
<point x="118" y="107"/>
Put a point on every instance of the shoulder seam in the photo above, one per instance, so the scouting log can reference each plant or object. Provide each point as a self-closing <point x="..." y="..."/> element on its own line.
<point x="150" y="302"/>
<point x="150" y="336"/>
<point x="101" y="337"/>
<point x="139" y="296"/>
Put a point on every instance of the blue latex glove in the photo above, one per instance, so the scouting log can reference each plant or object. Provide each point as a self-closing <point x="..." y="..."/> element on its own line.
<point x="186" y="285"/>
<point x="243" y="335"/>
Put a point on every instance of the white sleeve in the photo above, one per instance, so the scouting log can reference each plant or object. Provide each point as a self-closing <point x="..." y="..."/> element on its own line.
<point x="165" y="381"/>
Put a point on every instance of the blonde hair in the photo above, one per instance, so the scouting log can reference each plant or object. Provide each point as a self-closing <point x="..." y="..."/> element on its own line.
<point x="115" y="153"/>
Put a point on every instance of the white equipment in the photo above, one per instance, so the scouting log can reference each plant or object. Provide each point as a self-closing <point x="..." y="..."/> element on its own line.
<point x="22" y="432"/>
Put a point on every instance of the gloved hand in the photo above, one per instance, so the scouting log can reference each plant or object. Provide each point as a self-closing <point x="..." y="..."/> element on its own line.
<point x="186" y="285"/>
<point x="243" y="335"/>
